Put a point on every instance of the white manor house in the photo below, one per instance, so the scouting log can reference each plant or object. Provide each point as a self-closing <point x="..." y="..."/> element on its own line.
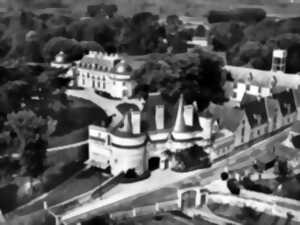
<point x="106" y="73"/>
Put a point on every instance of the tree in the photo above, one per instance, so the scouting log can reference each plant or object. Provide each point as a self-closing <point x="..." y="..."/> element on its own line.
<point x="197" y="75"/>
<point x="173" y="24"/>
<point x="282" y="168"/>
<point x="224" y="176"/>
<point x="233" y="186"/>
<point x="32" y="133"/>
<point x="108" y="10"/>
<point x="246" y="15"/>
<point x="70" y="47"/>
<point x="225" y="35"/>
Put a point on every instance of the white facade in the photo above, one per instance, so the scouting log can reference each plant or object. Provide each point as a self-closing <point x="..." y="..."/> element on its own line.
<point x="60" y="61"/>
<point x="106" y="73"/>
<point x="240" y="89"/>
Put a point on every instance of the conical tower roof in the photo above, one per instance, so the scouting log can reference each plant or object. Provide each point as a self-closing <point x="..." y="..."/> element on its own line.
<point x="180" y="126"/>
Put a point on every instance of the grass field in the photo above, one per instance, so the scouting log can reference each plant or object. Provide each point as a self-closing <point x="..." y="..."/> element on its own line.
<point x="78" y="184"/>
<point x="73" y="122"/>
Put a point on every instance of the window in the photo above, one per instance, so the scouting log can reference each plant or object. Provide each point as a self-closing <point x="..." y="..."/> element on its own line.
<point x="88" y="75"/>
<point x="248" y="87"/>
<point x="234" y="94"/>
<point x="288" y="120"/>
<point x="258" y="132"/>
<point x="98" y="84"/>
<point x="124" y="83"/>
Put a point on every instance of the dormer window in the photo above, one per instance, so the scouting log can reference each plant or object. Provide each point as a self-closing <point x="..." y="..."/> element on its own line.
<point x="258" y="118"/>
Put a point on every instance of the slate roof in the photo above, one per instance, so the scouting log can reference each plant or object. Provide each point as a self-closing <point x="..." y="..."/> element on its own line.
<point x="148" y="113"/>
<point x="101" y="64"/>
<point x="247" y="98"/>
<point x="254" y="110"/>
<point x="286" y="98"/>
<point x="296" y="127"/>
<point x="263" y="78"/>
<point x="179" y="125"/>
<point x="297" y="96"/>
<point x="228" y="117"/>
<point x="173" y="115"/>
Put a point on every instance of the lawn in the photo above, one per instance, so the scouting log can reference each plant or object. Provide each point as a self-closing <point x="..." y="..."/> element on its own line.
<point x="81" y="183"/>
<point x="73" y="122"/>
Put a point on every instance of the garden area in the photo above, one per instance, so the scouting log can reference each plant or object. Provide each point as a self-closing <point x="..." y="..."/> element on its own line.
<point x="190" y="159"/>
<point x="79" y="183"/>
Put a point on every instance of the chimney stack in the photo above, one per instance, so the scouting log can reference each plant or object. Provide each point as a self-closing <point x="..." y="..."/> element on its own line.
<point x="189" y="114"/>
<point x="160" y="117"/>
<point x="136" y="122"/>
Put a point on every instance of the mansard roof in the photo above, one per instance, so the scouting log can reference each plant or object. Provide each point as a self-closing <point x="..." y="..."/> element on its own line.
<point x="228" y="116"/>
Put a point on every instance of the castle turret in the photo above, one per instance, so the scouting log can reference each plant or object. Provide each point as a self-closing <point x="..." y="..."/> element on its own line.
<point x="128" y="145"/>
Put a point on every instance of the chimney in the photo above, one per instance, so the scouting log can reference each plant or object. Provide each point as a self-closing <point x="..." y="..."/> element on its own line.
<point x="273" y="82"/>
<point x="189" y="114"/>
<point x="136" y="122"/>
<point x="160" y="117"/>
<point x="279" y="60"/>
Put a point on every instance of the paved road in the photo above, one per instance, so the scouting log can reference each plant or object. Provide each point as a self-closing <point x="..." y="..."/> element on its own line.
<point x="64" y="147"/>
<point x="160" y="179"/>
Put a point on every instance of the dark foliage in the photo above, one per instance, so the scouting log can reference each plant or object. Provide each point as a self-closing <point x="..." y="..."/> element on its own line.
<point x="233" y="186"/>
<point x="296" y="141"/>
<point x="190" y="159"/>
<point x="252" y="186"/>
<point x="102" y="10"/>
<point x="247" y="15"/>
<point x="224" y="176"/>
<point x="198" y="75"/>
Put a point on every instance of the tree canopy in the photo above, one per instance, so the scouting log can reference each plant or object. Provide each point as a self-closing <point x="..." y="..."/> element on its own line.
<point x="198" y="75"/>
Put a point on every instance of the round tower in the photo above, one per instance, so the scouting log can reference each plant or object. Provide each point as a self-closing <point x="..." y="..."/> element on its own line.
<point x="128" y="145"/>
